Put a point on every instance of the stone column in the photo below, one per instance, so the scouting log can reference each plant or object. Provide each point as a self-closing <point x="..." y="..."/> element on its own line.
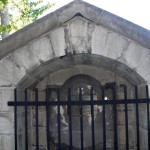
<point x="6" y="119"/>
<point x="143" y="119"/>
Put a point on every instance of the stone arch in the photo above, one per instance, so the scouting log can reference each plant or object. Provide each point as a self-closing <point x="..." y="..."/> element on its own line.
<point x="43" y="48"/>
<point x="65" y="97"/>
<point x="70" y="61"/>
<point x="95" y="45"/>
<point x="81" y="81"/>
<point x="63" y="42"/>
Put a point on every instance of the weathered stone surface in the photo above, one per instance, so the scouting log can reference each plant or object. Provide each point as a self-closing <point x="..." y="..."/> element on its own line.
<point x="121" y="135"/>
<point x="144" y="67"/>
<point x="60" y="77"/>
<point x="9" y="71"/>
<point x="21" y="139"/>
<point x="29" y="33"/>
<point x="76" y="39"/>
<point x="143" y="139"/>
<point x="42" y="137"/>
<point x="6" y="142"/>
<point x="55" y="19"/>
<point x="99" y="40"/>
<point x="143" y="116"/>
<point x="134" y="55"/>
<point x="78" y="33"/>
<point x="57" y="41"/>
<point x="42" y="118"/>
<point x="34" y="53"/>
<point x="81" y="59"/>
<point x="6" y="94"/>
<point x="107" y="43"/>
<point x="125" y="28"/>
<point x="132" y="131"/>
<point x="6" y="123"/>
<point x="70" y="39"/>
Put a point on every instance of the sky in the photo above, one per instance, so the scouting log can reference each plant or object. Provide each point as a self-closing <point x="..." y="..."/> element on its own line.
<point x="136" y="11"/>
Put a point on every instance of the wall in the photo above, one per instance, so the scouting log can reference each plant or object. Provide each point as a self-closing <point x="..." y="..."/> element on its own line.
<point x="97" y="77"/>
<point x="60" y="41"/>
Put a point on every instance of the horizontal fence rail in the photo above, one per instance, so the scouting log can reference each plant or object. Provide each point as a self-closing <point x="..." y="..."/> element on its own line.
<point x="69" y="103"/>
<point x="85" y="102"/>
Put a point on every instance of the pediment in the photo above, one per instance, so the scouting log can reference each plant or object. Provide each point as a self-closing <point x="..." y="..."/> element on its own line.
<point x="67" y="14"/>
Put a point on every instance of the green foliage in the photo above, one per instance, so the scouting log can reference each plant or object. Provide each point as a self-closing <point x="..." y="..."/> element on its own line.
<point x="4" y="2"/>
<point x="22" y="13"/>
<point x="5" y="28"/>
<point x="26" y="11"/>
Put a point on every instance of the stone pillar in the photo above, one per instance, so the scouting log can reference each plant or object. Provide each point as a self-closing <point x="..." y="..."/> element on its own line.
<point x="143" y="119"/>
<point x="6" y="119"/>
<point x="121" y="120"/>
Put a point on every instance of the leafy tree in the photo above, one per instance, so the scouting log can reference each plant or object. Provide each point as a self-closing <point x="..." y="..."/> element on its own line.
<point x="2" y="3"/>
<point x="21" y="13"/>
<point x="5" y="25"/>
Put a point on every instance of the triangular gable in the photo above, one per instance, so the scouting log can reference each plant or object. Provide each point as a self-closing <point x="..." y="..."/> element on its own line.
<point x="60" y="16"/>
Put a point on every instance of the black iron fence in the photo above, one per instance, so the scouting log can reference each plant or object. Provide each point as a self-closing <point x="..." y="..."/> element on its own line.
<point x="80" y="103"/>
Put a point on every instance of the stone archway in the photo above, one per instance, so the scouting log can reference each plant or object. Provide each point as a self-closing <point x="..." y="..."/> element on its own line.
<point x="56" y="44"/>
<point x="70" y="61"/>
<point x="58" y="71"/>
<point x="78" y="64"/>
<point x="86" y="64"/>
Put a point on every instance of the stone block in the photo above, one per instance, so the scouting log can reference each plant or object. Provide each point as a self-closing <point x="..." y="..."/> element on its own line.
<point x="9" y="71"/>
<point x="78" y="32"/>
<point x="26" y="58"/>
<point x="108" y="43"/>
<point x="143" y="139"/>
<point x="99" y="40"/>
<point x="121" y="117"/>
<point x="134" y="55"/>
<point x="41" y="49"/>
<point x="6" y="94"/>
<point x="143" y="117"/>
<point x="42" y="137"/>
<point x="57" y="41"/>
<point x="20" y="122"/>
<point x="126" y="28"/>
<point x="114" y="45"/>
<point x="21" y="140"/>
<point x="42" y="118"/>
<point x="131" y="114"/>
<point x="6" y="123"/>
<point x="28" y="34"/>
<point x="121" y="135"/>
<point x="7" y="142"/>
<point x="143" y="67"/>
<point x="132" y="135"/>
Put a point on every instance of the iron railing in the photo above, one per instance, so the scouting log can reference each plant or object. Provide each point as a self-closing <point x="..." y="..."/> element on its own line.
<point x="81" y="103"/>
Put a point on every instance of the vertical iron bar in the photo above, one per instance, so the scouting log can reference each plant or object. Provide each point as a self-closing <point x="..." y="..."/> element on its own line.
<point x="92" y="115"/>
<point x="148" y="124"/>
<point x="58" y="119"/>
<point x="47" y="119"/>
<point x="115" y="120"/>
<point x="70" y="119"/>
<point x="126" y="118"/>
<point x="15" y="118"/>
<point x="137" y="119"/>
<point x="81" y="118"/>
<point x="26" y="119"/>
<point x="37" y="120"/>
<point x="104" y="120"/>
